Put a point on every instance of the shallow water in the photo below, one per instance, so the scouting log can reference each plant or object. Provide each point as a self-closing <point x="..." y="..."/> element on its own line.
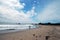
<point x="14" y="28"/>
<point x="4" y="27"/>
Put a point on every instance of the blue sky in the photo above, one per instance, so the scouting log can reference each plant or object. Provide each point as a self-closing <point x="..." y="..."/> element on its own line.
<point x="29" y="11"/>
<point x="38" y="4"/>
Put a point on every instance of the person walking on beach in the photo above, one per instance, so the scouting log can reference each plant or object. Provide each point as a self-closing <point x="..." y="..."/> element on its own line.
<point x="29" y="27"/>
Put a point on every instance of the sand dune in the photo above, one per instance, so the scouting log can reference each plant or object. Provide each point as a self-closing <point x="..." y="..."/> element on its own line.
<point x="43" y="32"/>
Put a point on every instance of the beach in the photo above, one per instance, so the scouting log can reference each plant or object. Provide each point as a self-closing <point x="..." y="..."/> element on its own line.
<point x="43" y="32"/>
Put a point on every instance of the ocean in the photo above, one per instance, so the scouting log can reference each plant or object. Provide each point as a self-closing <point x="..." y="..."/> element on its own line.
<point x="4" y="27"/>
<point x="14" y="28"/>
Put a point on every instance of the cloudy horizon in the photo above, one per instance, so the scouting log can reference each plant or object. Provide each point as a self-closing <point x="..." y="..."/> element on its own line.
<point x="29" y="11"/>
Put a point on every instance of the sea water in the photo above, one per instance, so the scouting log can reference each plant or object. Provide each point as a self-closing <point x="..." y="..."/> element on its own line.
<point x="4" y="27"/>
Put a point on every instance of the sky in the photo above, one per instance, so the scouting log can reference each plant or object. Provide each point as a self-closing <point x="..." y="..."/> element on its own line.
<point x="29" y="11"/>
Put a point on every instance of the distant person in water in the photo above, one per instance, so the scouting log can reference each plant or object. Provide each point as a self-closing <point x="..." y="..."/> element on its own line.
<point x="29" y="27"/>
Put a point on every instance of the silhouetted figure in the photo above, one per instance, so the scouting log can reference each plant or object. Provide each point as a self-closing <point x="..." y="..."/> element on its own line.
<point x="47" y="37"/>
<point x="29" y="27"/>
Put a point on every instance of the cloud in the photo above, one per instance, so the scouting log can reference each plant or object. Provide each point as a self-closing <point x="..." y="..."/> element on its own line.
<point x="9" y="13"/>
<point x="12" y="3"/>
<point x="31" y="12"/>
<point x="51" y="13"/>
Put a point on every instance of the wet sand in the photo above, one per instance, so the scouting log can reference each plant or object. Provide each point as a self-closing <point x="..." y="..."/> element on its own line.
<point x="43" y="32"/>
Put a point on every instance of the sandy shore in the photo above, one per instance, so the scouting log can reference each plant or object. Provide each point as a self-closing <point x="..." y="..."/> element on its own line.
<point x="44" y="32"/>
